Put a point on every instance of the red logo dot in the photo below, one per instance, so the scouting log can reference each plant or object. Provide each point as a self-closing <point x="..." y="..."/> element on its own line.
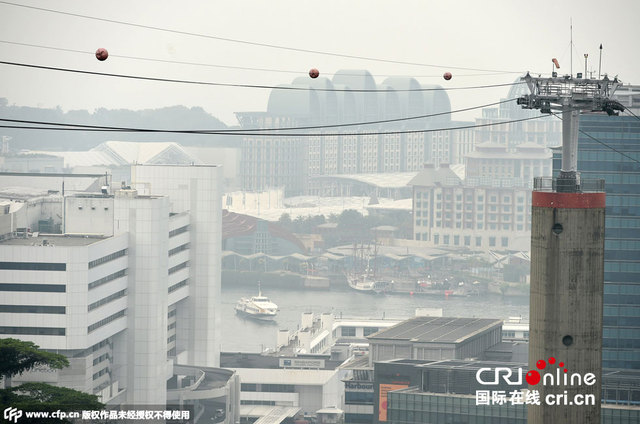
<point x="565" y="370"/>
<point x="533" y="377"/>
<point x="541" y="364"/>
<point x="561" y="364"/>
<point x="552" y="360"/>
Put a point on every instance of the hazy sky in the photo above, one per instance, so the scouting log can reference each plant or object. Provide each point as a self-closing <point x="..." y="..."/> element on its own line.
<point x="504" y="35"/>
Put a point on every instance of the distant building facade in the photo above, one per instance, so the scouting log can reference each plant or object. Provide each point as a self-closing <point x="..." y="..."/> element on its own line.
<point x="474" y="214"/>
<point x="289" y="161"/>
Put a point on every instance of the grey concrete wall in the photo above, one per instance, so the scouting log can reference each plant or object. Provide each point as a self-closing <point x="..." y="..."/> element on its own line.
<point x="567" y="278"/>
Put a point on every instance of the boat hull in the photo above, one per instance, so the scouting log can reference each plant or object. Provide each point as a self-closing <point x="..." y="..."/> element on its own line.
<point x="258" y="317"/>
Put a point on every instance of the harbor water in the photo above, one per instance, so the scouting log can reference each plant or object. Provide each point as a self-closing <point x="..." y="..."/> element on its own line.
<point x="240" y="334"/>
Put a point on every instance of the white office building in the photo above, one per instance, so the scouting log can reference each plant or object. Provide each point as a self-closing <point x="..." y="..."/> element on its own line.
<point x="129" y="292"/>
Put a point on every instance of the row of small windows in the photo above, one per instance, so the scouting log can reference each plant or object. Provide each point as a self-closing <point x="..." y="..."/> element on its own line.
<point x="101" y="358"/>
<point x="178" y="267"/>
<point x="178" y="285"/>
<point x="100" y="373"/>
<point x="621" y="288"/>
<point x="108" y="278"/>
<point x="32" y="309"/>
<point x="107" y="258"/>
<point x="33" y="331"/>
<point x="171" y="339"/>
<point x="33" y="266"/>
<point x="43" y="288"/>
<point x="622" y="245"/>
<point x="106" y="300"/>
<point x="177" y="231"/>
<point x="106" y="321"/>
<point x="623" y="200"/>
<point x="622" y="333"/>
<point x="94" y="348"/>
<point x="631" y="222"/>
<point x="599" y="156"/>
<point x="272" y="388"/>
<point x="622" y="266"/>
<point x="624" y="311"/>
<point x="359" y="398"/>
<point x="446" y="239"/>
<point x="178" y="249"/>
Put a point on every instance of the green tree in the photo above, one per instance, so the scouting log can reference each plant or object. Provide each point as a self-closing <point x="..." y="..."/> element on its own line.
<point x="16" y="357"/>
<point x="42" y="397"/>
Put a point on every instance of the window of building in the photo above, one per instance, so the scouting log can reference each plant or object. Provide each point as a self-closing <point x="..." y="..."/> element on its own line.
<point x="467" y="240"/>
<point x="248" y="387"/>
<point x="446" y="239"/>
<point x="178" y="249"/>
<point x="492" y="241"/>
<point x="436" y="239"/>
<point x="178" y="285"/>
<point x="32" y="309"/>
<point x="106" y="300"/>
<point x="33" y="266"/>
<point x="108" y="278"/>
<point x="44" y="288"/>
<point x="478" y="241"/>
<point x="107" y="258"/>
<point x="177" y="231"/>
<point x="33" y="331"/>
<point x="367" y="331"/>
<point x="277" y="388"/>
<point x="348" y="332"/>
<point x="178" y="267"/>
<point x="504" y="241"/>
<point x="456" y="240"/>
<point x="105" y="321"/>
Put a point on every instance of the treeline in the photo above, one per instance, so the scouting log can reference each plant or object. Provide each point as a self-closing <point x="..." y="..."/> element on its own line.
<point x="172" y="118"/>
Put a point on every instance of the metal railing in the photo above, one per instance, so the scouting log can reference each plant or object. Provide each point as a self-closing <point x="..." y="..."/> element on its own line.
<point x="553" y="184"/>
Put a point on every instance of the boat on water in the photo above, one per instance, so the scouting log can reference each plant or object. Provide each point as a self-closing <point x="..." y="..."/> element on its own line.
<point x="366" y="283"/>
<point x="366" y="280"/>
<point x="257" y="307"/>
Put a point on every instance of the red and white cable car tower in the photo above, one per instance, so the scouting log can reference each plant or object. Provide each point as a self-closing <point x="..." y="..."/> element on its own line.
<point x="567" y="258"/>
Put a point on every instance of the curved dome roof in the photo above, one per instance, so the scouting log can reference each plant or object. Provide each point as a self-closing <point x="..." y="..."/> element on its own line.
<point x="411" y="102"/>
<point x="436" y="100"/>
<point x="390" y="103"/>
<point x="346" y="103"/>
<point x="357" y="79"/>
<point x="328" y="99"/>
<point x="360" y="79"/>
<point x="293" y="102"/>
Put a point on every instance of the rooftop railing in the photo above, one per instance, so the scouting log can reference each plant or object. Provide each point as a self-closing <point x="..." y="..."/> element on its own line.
<point x="553" y="184"/>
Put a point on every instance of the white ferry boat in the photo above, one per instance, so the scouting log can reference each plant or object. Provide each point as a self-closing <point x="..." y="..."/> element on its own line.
<point x="258" y="307"/>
